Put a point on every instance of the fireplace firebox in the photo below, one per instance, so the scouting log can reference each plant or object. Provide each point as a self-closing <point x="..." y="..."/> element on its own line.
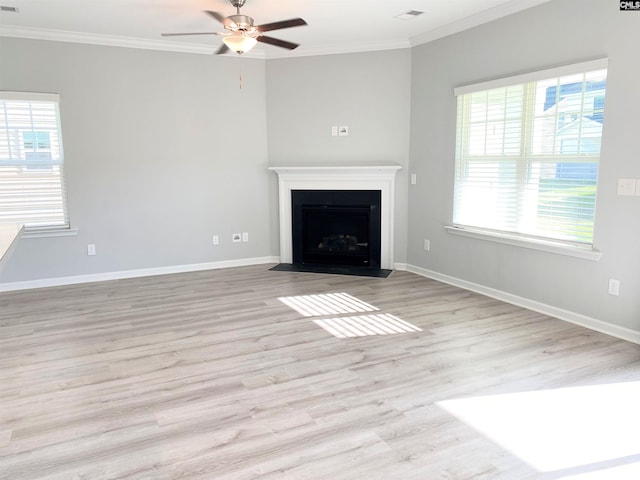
<point x="336" y="227"/>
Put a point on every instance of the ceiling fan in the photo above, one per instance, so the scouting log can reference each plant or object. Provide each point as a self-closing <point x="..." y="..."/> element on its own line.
<point x="241" y="34"/>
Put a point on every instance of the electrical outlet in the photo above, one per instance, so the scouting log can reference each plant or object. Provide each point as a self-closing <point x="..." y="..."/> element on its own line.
<point x="427" y="245"/>
<point x="614" y="287"/>
<point x="91" y="249"/>
<point x="236" y="238"/>
<point x="334" y="130"/>
<point x="414" y="179"/>
<point x="245" y="236"/>
<point x="216" y="240"/>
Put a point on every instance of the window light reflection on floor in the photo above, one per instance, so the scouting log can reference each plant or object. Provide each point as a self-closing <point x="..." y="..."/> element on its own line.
<point x="326" y="304"/>
<point x="365" y="325"/>
<point x="347" y="326"/>
<point x="579" y="433"/>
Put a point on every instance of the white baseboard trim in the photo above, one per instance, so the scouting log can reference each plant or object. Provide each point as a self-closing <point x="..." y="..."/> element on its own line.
<point x="144" y="272"/>
<point x="559" y="313"/>
<point x="566" y="315"/>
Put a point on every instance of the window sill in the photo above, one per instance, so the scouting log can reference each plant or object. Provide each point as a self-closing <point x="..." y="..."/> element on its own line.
<point x="44" y="233"/>
<point x="558" y="247"/>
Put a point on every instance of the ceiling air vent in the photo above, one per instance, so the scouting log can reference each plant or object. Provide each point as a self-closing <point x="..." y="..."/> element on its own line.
<point x="410" y="15"/>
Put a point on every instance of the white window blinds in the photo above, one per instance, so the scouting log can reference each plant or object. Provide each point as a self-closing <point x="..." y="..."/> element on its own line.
<point x="527" y="153"/>
<point x="31" y="161"/>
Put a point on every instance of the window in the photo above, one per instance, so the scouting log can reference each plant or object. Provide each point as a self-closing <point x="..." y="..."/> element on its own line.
<point x="31" y="161"/>
<point x="527" y="153"/>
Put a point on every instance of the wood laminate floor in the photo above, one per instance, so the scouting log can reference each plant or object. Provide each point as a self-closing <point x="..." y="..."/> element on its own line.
<point x="208" y="375"/>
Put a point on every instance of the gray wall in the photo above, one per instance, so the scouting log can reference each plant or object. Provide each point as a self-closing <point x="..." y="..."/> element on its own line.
<point x="556" y="33"/>
<point x="368" y="92"/>
<point x="155" y="168"/>
<point x="156" y="161"/>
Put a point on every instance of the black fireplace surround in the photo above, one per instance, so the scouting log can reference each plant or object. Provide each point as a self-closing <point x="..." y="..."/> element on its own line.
<point x="336" y="228"/>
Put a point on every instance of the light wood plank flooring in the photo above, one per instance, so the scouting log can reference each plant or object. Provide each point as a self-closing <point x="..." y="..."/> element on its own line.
<point x="208" y="375"/>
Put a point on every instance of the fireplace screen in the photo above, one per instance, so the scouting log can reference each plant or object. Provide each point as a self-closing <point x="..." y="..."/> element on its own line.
<point x="335" y="235"/>
<point x="336" y="227"/>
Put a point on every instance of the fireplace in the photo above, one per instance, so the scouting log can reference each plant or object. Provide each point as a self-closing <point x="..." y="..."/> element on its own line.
<point x="380" y="178"/>
<point x="336" y="227"/>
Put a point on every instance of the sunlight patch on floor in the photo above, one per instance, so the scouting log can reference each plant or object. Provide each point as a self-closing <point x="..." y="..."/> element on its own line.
<point x="623" y="472"/>
<point x="366" y="325"/>
<point x="580" y="431"/>
<point x="347" y="326"/>
<point x="326" y="304"/>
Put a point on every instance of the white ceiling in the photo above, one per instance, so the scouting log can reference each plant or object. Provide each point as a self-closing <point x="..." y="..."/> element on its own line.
<point x="334" y="26"/>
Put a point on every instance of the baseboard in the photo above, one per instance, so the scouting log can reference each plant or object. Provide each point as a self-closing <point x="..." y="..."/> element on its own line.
<point x="559" y="313"/>
<point x="144" y="272"/>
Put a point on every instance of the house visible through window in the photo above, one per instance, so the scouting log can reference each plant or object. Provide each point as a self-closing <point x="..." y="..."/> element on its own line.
<point x="37" y="146"/>
<point x="31" y="161"/>
<point x="36" y="140"/>
<point x="527" y="153"/>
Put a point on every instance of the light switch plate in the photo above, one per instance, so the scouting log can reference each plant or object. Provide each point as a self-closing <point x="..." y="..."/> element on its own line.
<point x="627" y="186"/>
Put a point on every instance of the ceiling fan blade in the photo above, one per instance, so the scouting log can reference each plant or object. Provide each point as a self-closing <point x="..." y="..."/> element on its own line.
<point x="215" y="15"/>
<point x="277" y="42"/>
<point x="221" y="18"/>
<point x="223" y="49"/>
<point x="190" y="33"/>
<point x="294" y="22"/>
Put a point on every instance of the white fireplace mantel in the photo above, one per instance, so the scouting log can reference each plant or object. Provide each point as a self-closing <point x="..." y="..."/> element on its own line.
<point x="378" y="177"/>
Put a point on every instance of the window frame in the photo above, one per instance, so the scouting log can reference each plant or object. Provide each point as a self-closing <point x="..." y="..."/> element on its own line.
<point x="63" y="228"/>
<point x="560" y="246"/>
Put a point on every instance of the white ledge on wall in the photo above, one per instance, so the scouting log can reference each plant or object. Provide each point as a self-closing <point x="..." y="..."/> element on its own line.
<point x="550" y="246"/>
<point x="9" y="235"/>
<point x="46" y="233"/>
<point x="338" y="177"/>
<point x="334" y="171"/>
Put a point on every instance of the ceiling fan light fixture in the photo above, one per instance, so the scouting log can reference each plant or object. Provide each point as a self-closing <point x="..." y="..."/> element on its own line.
<point x="241" y="35"/>
<point x="239" y="43"/>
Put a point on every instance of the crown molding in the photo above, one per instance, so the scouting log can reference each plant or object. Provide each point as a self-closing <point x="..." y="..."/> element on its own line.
<point x="336" y="49"/>
<point x="472" y="21"/>
<point x="170" y="46"/>
<point x="111" y="40"/>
